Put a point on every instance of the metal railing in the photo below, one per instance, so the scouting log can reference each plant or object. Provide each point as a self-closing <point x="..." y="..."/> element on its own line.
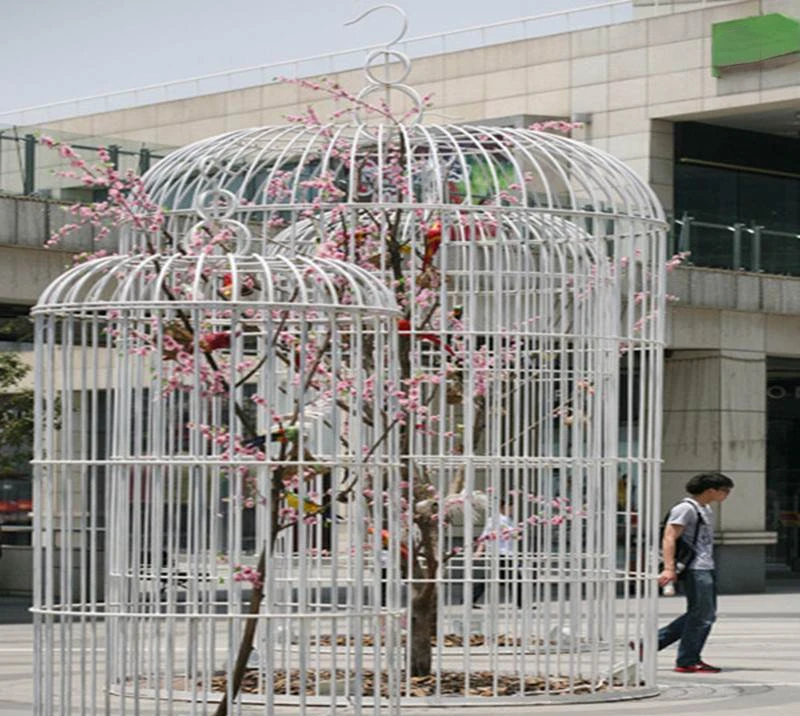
<point x="737" y="246"/>
<point x="26" y="169"/>
<point x="551" y="23"/>
<point x="19" y="535"/>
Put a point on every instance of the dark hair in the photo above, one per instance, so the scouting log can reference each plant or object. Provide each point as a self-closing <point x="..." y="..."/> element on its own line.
<point x="708" y="481"/>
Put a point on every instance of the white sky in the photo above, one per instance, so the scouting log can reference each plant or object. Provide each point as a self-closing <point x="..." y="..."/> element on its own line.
<point x="52" y="50"/>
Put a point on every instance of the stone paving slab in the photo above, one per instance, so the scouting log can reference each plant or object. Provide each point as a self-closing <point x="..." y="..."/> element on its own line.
<point x="756" y="640"/>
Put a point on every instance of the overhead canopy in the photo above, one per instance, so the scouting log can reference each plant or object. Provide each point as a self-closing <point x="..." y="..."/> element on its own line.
<point x="753" y="39"/>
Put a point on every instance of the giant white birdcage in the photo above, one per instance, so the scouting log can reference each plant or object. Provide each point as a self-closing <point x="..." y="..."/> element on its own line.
<point x="517" y="530"/>
<point x="529" y="268"/>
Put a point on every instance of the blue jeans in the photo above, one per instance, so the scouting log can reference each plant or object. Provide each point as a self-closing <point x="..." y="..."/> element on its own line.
<point x="507" y="570"/>
<point x="693" y="627"/>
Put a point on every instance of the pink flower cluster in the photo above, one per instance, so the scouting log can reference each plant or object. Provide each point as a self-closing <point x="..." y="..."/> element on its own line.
<point x="127" y="201"/>
<point x="245" y="573"/>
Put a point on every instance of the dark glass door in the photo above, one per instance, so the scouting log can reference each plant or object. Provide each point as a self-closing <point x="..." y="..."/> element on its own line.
<point x="783" y="464"/>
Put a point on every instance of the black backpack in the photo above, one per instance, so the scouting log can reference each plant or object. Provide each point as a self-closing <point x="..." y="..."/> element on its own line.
<point x="685" y="550"/>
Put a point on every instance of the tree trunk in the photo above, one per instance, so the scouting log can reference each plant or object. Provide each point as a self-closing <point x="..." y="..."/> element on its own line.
<point x="246" y="644"/>
<point x="423" y="629"/>
<point x="236" y="677"/>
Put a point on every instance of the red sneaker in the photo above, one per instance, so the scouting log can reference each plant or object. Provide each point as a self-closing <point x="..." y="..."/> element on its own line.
<point x="699" y="668"/>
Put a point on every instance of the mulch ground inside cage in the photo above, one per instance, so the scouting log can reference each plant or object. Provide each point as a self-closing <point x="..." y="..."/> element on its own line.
<point x="453" y="683"/>
<point x="449" y="640"/>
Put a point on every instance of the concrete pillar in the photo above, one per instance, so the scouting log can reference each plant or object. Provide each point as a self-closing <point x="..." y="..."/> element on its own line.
<point x="715" y="420"/>
<point x="662" y="162"/>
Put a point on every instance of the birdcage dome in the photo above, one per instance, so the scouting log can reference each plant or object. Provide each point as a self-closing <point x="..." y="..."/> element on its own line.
<point x="180" y="281"/>
<point x="280" y="173"/>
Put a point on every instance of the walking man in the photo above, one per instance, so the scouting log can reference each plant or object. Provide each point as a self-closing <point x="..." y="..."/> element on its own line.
<point x="691" y="520"/>
<point x="500" y="531"/>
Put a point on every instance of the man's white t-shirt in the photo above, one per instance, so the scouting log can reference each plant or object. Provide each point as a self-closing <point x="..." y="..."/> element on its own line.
<point x="685" y="514"/>
<point x="500" y="528"/>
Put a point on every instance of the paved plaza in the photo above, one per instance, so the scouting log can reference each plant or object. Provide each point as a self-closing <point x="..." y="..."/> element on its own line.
<point x="756" y="641"/>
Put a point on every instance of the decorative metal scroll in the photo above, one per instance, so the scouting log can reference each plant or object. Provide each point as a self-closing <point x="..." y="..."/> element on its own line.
<point x="387" y="84"/>
<point x="218" y="231"/>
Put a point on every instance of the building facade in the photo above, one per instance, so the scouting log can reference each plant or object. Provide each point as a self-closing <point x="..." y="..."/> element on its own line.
<point x="699" y="100"/>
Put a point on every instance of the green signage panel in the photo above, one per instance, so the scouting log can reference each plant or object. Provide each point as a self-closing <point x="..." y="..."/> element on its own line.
<point x="753" y="39"/>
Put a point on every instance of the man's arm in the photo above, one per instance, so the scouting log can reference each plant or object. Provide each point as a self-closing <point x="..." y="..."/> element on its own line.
<point x="672" y="533"/>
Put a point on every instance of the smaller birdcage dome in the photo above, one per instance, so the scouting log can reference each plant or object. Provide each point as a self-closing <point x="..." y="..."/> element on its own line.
<point x="211" y="281"/>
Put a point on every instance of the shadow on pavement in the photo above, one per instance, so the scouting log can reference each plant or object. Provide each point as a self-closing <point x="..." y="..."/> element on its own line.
<point x="782" y="585"/>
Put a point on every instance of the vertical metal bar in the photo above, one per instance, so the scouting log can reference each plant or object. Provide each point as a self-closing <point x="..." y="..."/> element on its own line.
<point x="675" y="226"/>
<point x="736" y="259"/>
<point x="40" y="433"/>
<point x="144" y="160"/>
<point x="756" y="244"/>
<point x="685" y="239"/>
<point x="29" y="167"/>
<point x="113" y="154"/>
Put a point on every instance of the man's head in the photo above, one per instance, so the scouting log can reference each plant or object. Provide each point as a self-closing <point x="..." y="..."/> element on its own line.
<point x="716" y="481"/>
